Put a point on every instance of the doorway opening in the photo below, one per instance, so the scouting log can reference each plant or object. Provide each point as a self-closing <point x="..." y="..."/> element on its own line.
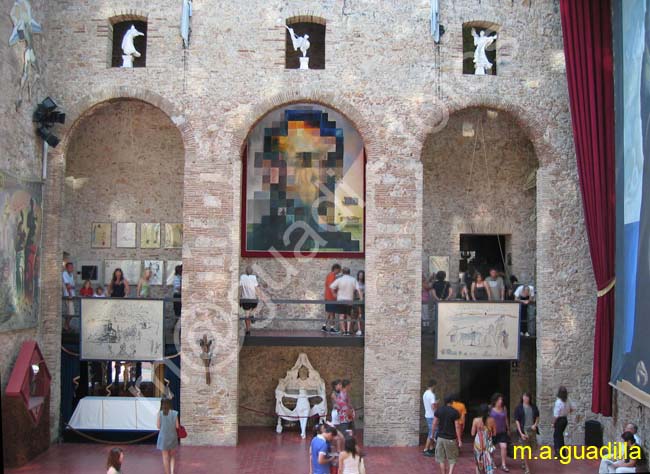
<point x="479" y="380"/>
<point x="480" y="252"/>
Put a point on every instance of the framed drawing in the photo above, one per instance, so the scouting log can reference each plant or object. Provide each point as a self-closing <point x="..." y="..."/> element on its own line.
<point x="89" y="270"/>
<point x="125" y="235"/>
<point x="173" y="236"/>
<point x="122" y="329"/>
<point x="21" y="221"/>
<point x="303" y="185"/>
<point x="438" y="263"/>
<point x="130" y="269"/>
<point x="170" y="271"/>
<point x="477" y="331"/>
<point x="100" y="235"/>
<point x="156" y="267"/>
<point x="150" y="236"/>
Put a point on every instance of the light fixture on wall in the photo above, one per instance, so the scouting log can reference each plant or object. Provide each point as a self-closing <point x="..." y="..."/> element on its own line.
<point x="45" y="116"/>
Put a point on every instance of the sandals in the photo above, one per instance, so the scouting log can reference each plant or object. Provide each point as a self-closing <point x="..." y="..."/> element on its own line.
<point x="505" y="469"/>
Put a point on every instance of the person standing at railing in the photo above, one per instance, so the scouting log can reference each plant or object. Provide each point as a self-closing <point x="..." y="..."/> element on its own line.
<point x="497" y="286"/>
<point x="480" y="289"/>
<point x="119" y="286"/>
<point x="87" y="289"/>
<point x="524" y="295"/>
<point x="360" y="295"/>
<point x="330" y="308"/>
<point x="177" y="288"/>
<point x="344" y="288"/>
<point x="249" y="289"/>
<point x="143" y="289"/>
<point x="68" y="292"/>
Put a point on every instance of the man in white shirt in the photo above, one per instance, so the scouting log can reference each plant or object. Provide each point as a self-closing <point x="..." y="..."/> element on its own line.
<point x="430" y="405"/>
<point x="68" y="292"/>
<point x="344" y="288"/>
<point x="248" y="290"/>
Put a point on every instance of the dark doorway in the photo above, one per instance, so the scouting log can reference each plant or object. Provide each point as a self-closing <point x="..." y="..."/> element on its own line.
<point x="479" y="380"/>
<point x="480" y="252"/>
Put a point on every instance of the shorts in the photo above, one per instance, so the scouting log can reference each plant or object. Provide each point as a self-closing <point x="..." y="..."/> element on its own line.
<point x="430" y="426"/>
<point x="343" y="309"/>
<point x="501" y="438"/>
<point x="248" y="306"/>
<point x="331" y="308"/>
<point x="531" y="441"/>
<point x="446" y="450"/>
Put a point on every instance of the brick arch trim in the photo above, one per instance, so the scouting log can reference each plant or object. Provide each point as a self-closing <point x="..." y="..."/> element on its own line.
<point x="81" y="108"/>
<point x="127" y="15"/>
<point x="246" y="123"/>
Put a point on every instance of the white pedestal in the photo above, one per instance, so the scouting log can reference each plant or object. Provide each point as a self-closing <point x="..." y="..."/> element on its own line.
<point x="304" y="63"/>
<point x="127" y="60"/>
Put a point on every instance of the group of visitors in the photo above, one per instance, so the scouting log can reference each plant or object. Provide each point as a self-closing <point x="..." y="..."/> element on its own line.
<point x="341" y="287"/>
<point x="168" y="425"/>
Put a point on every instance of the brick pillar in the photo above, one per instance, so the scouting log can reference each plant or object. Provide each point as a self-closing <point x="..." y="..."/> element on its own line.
<point x="393" y="273"/>
<point x="49" y="330"/>
<point x="210" y="266"/>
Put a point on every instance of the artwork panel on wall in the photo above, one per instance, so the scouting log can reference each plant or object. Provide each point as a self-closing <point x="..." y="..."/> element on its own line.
<point x="21" y="224"/>
<point x="122" y="329"/>
<point x="439" y="263"/>
<point x="150" y="236"/>
<point x="170" y="268"/>
<point x="125" y="235"/>
<point x="156" y="267"/>
<point x="173" y="235"/>
<point x="477" y="331"/>
<point x="131" y="269"/>
<point x="89" y="270"/>
<point x="304" y="185"/>
<point x="100" y="235"/>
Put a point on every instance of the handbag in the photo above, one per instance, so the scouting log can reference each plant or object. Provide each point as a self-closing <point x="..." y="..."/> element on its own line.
<point x="181" y="432"/>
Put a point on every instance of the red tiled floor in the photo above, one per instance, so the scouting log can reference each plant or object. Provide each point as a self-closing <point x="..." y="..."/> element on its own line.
<point x="260" y="451"/>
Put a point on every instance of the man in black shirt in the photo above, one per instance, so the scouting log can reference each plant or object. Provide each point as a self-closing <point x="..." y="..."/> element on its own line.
<point x="447" y="420"/>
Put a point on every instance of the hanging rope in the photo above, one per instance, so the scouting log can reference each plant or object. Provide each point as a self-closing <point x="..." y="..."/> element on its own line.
<point x="101" y="441"/>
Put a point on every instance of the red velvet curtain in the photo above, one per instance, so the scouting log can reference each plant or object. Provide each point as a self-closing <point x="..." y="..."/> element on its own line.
<point x="587" y="32"/>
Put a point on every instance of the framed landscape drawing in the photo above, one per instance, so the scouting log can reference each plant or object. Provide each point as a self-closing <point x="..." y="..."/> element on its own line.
<point x="125" y="235"/>
<point x="170" y="269"/>
<point x="122" y="329"/>
<point x="100" y="235"/>
<point x="477" y="331"/>
<point x="130" y="268"/>
<point x="150" y="236"/>
<point x="173" y="236"/>
<point x="156" y="267"/>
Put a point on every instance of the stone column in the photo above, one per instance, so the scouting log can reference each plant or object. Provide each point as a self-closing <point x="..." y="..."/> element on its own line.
<point x="209" y="412"/>
<point x="393" y="273"/>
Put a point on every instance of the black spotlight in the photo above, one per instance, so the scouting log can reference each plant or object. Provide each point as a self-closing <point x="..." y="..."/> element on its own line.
<point x="45" y="116"/>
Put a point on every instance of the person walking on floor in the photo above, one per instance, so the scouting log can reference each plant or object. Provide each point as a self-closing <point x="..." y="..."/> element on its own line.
<point x="449" y="440"/>
<point x="561" y="410"/>
<point x="344" y="407"/>
<point x="502" y="437"/>
<point x="483" y="430"/>
<point x="167" y="435"/>
<point x="350" y="460"/>
<point x="527" y="418"/>
<point x="430" y="405"/>
<point x="319" y="450"/>
<point x="114" y="461"/>
<point x="330" y="308"/>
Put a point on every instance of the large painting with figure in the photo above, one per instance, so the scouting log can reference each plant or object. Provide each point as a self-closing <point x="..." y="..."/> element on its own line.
<point x="121" y="329"/>
<point x="304" y="177"/>
<point x="477" y="331"/>
<point x="21" y="223"/>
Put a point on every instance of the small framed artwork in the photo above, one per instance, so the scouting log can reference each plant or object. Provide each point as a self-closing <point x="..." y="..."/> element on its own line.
<point x="156" y="267"/>
<point x="173" y="235"/>
<point x="89" y="270"/>
<point x="170" y="271"/>
<point x="125" y="235"/>
<point x="150" y="236"/>
<point x="100" y="235"/>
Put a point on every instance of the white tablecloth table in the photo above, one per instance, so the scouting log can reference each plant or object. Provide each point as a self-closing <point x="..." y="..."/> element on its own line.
<point x="116" y="413"/>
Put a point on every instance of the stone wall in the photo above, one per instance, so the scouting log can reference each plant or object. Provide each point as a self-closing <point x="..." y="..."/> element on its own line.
<point x="125" y="164"/>
<point x="262" y="367"/>
<point x="475" y="185"/>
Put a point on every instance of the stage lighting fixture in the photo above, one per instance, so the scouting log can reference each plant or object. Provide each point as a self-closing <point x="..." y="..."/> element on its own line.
<point x="47" y="136"/>
<point x="45" y="116"/>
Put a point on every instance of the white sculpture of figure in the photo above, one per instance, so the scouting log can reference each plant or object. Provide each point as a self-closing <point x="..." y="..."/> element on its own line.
<point x="300" y="43"/>
<point x="301" y="383"/>
<point x="185" y="22"/>
<point x="128" y="48"/>
<point x="24" y="29"/>
<point x="481" y="62"/>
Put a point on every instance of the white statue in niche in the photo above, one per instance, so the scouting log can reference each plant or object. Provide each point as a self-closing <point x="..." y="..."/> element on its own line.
<point x="24" y="29"/>
<point x="481" y="41"/>
<point x="300" y="43"/>
<point x="304" y="385"/>
<point x="186" y="15"/>
<point x="128" y="48"/>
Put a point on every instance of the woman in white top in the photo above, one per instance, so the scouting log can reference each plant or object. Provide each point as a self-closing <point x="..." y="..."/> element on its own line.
<point x="115" y="460"/>
<point x="561" y="411"/>
<point x="350" y="460"/>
